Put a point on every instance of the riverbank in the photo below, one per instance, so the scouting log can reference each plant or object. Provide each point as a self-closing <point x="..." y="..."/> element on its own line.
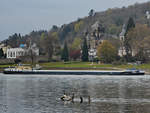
<point x="85" y="66"/>
<point x="93" y="66"/>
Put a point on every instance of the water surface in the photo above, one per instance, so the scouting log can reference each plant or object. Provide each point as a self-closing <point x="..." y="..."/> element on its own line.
<point x="41" y="93"/>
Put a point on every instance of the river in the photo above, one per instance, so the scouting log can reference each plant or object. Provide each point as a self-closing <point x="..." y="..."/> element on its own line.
<point x="41" y="94"/>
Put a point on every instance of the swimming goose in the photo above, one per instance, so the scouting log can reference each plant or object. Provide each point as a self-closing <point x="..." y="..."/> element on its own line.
<point x="67" y="98"/>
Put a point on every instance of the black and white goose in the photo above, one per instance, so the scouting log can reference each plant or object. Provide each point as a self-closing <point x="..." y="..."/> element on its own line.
<point x="67" y="97"/>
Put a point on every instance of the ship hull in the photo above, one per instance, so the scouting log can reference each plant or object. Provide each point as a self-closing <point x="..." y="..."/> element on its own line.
<point x="72" y="72"/>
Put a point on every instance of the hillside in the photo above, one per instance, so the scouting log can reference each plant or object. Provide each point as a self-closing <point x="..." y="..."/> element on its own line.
<point x="109" y="21"/>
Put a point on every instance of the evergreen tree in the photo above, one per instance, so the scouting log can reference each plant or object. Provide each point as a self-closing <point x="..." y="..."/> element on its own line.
<point x="130" y="25"/>
<point x="65" y="53"/>
<point x="1" y="53"/>
<point x="85" y="54"/>
<point x="91" y="13"/>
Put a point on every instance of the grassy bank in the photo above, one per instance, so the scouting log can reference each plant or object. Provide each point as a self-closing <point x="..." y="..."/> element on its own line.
<point x="74" y="65"/>
<point x="90" y="65"/>
<point x="94" y="66"/>
<point x="2" y="66"/>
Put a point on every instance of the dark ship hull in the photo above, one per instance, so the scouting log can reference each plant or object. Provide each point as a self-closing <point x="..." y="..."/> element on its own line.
<point x="74" y="72"/>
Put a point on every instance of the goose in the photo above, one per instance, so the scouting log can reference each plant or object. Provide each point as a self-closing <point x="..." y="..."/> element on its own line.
<point x="81" y="99"/>
<point x="67" y="98"/>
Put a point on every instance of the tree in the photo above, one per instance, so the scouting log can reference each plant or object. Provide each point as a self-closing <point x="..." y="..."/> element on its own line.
<point x="32" y="56"/>
<point x="14" y="40"/>
<point x="91" y="13"/>
<point x="85" y="54"/>
<point x="78" y="26"/>
<point x="75" y="54"/>
<point x="43" y="43"/>
<point x="75" y="49"/>
<point x="139" y="41"/>
<point x="65" y="30"/>
<point x="50" y="43"/>
<point x="130" y="26"/>
<point x="65" y="53"/>
<point x="113" y="29"/>
<point x="115" y="42"/>
<point x="146" y="49"/>
<point x="54" y="28"/>
<point x="17" y="61"/>
<point x="1" y="53"/>
<point x="107" y="53"/>
<point x="76" y="45"/>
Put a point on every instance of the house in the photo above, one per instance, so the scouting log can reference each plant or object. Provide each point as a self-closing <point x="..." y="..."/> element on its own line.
<point x="122" y="34"/>
<point x="122" y="51"/>
<point x="147" y="15"/>
<point x="34" y="49"/>
<point x="94" y="35"/>
<point x="92" y="54"/>
<point x="4" y="48"/>
<point x="13" y="53"/>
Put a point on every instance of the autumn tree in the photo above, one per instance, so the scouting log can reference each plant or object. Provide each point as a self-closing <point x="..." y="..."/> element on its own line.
<point x="75" y="54"/>
<point x="107" y="53"/>
<point x="115" y="42"/>
<point x="50" y="43"/>
<point x="146" y="49"/>
<point x="114" y="29"/>
<point x="139" y="40"/>
<point x="85" y="55"/>
<point x="43" y="39"/>
<point x="75" y="49"/>
<point x="77" y="26"/>
<point x="76" y="45"/>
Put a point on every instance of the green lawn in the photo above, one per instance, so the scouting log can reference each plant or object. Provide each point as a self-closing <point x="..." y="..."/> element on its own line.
<point x="6" y="65"/>
<point x="73" y="65"/>
<point x="85" y="65"/>
<point x="142" y="66"/>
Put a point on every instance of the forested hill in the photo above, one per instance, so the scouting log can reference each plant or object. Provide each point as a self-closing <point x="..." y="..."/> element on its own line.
<point x="111" y="22"/>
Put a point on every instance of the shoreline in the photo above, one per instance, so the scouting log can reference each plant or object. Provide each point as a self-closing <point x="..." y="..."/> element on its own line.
<point x="84" y="66"/>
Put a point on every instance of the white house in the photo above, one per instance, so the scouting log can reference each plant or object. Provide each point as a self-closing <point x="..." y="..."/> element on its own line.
<point x="92" y="54"/>
<point x="122" y="34"/>
<point x="147" y="15"/>
<point x="15" y="52"/>
<point x="122" y="51"/>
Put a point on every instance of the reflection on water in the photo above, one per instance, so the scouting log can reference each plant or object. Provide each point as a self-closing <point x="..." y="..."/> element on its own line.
<point x="40" y="94"/>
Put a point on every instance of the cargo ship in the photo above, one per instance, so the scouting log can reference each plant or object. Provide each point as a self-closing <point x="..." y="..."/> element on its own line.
<point x="73" y="72"/>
